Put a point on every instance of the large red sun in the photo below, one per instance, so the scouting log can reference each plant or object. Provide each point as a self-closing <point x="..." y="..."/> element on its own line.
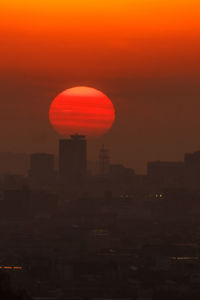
<point x="82" y="110"/>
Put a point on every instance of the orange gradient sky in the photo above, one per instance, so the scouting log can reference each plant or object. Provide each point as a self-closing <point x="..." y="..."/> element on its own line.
<point x="145" y="34"/>
<point x="144" y="54"/>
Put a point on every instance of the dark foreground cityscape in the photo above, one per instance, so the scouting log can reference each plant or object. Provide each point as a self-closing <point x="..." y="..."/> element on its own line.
<point x="98" y="231"/>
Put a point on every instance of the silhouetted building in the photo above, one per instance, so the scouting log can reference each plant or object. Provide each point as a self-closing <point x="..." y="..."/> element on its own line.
<point x="16" y="203"/>
<point x="42" y="170"/>
<point x="73" y="159"/>
<point x="192" y="170"/>
<point x="92" y="167"/>
<point x="44" y="203"/>
<point x="121" y="179"/>
<point x="166" y="173"/>
<point x="13" y="181"/>
<point x="119" y="173"/>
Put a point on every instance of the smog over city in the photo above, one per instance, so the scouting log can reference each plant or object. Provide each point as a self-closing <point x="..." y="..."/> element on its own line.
<point x="100" y="150"/>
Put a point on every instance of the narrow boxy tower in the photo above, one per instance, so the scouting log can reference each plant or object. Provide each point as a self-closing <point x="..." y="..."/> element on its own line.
<point x="73" y="159"/>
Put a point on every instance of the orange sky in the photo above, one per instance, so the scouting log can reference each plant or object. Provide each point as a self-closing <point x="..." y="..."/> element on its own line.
<point x="144" y="54"/>
<point x="120" y="34"/>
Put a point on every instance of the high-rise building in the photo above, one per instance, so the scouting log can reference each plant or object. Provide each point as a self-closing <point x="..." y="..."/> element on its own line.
<point x="42" y="170"/>
<point x="73" y="159"/>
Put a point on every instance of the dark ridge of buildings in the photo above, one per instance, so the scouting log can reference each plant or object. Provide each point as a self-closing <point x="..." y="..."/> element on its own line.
<point x="166" y="173"/>
<point x="14" y="163"/>
<point x="175" y="174"/>
<point x="42" y="170"/>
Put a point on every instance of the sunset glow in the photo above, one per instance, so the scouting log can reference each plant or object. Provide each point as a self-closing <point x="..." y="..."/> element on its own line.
<point x="81" y="110"/>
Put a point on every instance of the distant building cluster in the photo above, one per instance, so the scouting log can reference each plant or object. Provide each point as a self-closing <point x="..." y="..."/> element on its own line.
<point x="74" y="169"/>
<point x="184" y="174"/>
<point x="97" y="230"/>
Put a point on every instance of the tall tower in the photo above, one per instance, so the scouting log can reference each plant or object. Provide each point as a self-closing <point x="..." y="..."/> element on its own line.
<point x="104" y="161"/>
<point x="73" y="159"/>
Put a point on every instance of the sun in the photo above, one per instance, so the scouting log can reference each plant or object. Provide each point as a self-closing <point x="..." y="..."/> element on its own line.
<point x="83" y="110"/>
